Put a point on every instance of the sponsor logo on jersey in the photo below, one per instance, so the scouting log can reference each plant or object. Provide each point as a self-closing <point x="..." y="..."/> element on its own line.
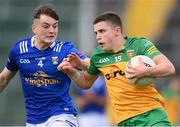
<point x="130" y="53"/>
<point x="40" y="74"/>
<point x="103" y="60"/>
<point x="114" y="73"/>
<point x="40" y="78"/>
<point x="24" y="61"/>
<point x="55" y="60"/>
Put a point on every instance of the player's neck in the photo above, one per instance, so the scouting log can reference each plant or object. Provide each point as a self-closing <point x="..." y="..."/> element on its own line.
<point x="119" y="44"/>
<point x="40" y="45"/>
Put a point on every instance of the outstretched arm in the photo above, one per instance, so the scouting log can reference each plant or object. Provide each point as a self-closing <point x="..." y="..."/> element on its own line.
<point x="81" y="78"/>
<point x="5" y="76"/>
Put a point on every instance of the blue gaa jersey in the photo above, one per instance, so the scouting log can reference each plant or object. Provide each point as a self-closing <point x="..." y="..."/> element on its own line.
<point x="46" y="90"/>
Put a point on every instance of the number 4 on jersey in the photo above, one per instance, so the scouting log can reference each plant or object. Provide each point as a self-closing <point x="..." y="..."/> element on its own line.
<point x="40" y="63"/>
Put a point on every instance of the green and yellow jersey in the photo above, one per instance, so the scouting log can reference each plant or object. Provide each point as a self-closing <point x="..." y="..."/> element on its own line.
<point x="127" y="99"/>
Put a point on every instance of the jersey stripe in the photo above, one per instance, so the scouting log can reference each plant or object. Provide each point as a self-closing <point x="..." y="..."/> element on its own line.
<point x="23" y="47"/>
<point x="26" y="48"/>
<point x="57" y="48"/>
<point x="60" y="46"/>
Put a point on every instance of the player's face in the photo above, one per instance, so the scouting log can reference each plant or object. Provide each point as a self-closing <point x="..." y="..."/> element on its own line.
<point x="45" y="29"/>
<point x="105" y="35"/>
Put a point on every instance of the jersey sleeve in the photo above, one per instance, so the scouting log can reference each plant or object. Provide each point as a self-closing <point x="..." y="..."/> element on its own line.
<point x="92" y="69"/>
<point x="11" y="63"/>
<point x="148" y="48"/>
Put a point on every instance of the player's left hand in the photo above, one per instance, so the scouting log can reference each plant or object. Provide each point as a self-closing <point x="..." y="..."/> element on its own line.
<point x="66" y="67"/>
<point x="74" y="60"/>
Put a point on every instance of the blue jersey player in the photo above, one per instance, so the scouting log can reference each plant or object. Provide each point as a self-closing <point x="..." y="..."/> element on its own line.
<point x="46" y="90"/>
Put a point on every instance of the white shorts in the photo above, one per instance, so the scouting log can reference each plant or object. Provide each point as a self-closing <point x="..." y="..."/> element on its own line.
<point x="63" y="120"/>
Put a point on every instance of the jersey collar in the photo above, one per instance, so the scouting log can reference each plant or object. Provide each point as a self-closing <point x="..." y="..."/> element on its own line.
<point x="32" y="42"/>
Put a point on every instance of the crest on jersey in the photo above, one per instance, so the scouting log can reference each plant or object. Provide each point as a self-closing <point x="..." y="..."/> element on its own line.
<point x="55" y="60"/>
<point x="130" y="53"/>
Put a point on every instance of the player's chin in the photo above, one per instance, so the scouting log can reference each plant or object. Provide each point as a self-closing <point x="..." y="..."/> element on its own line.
<point x="107" y="49"/>
<point x="50" y="40"/>
<point x="103" y="47"/>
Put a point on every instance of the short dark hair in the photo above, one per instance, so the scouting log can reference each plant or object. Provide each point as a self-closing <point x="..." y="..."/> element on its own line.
<point x="111" y="17"/>
<point x="45" y="9"/>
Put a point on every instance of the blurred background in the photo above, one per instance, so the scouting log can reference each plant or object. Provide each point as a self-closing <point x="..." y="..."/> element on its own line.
<point x="157" y="20"/>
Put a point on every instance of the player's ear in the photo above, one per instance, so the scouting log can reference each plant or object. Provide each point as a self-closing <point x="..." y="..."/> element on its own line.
<point x="117" y="30"/>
